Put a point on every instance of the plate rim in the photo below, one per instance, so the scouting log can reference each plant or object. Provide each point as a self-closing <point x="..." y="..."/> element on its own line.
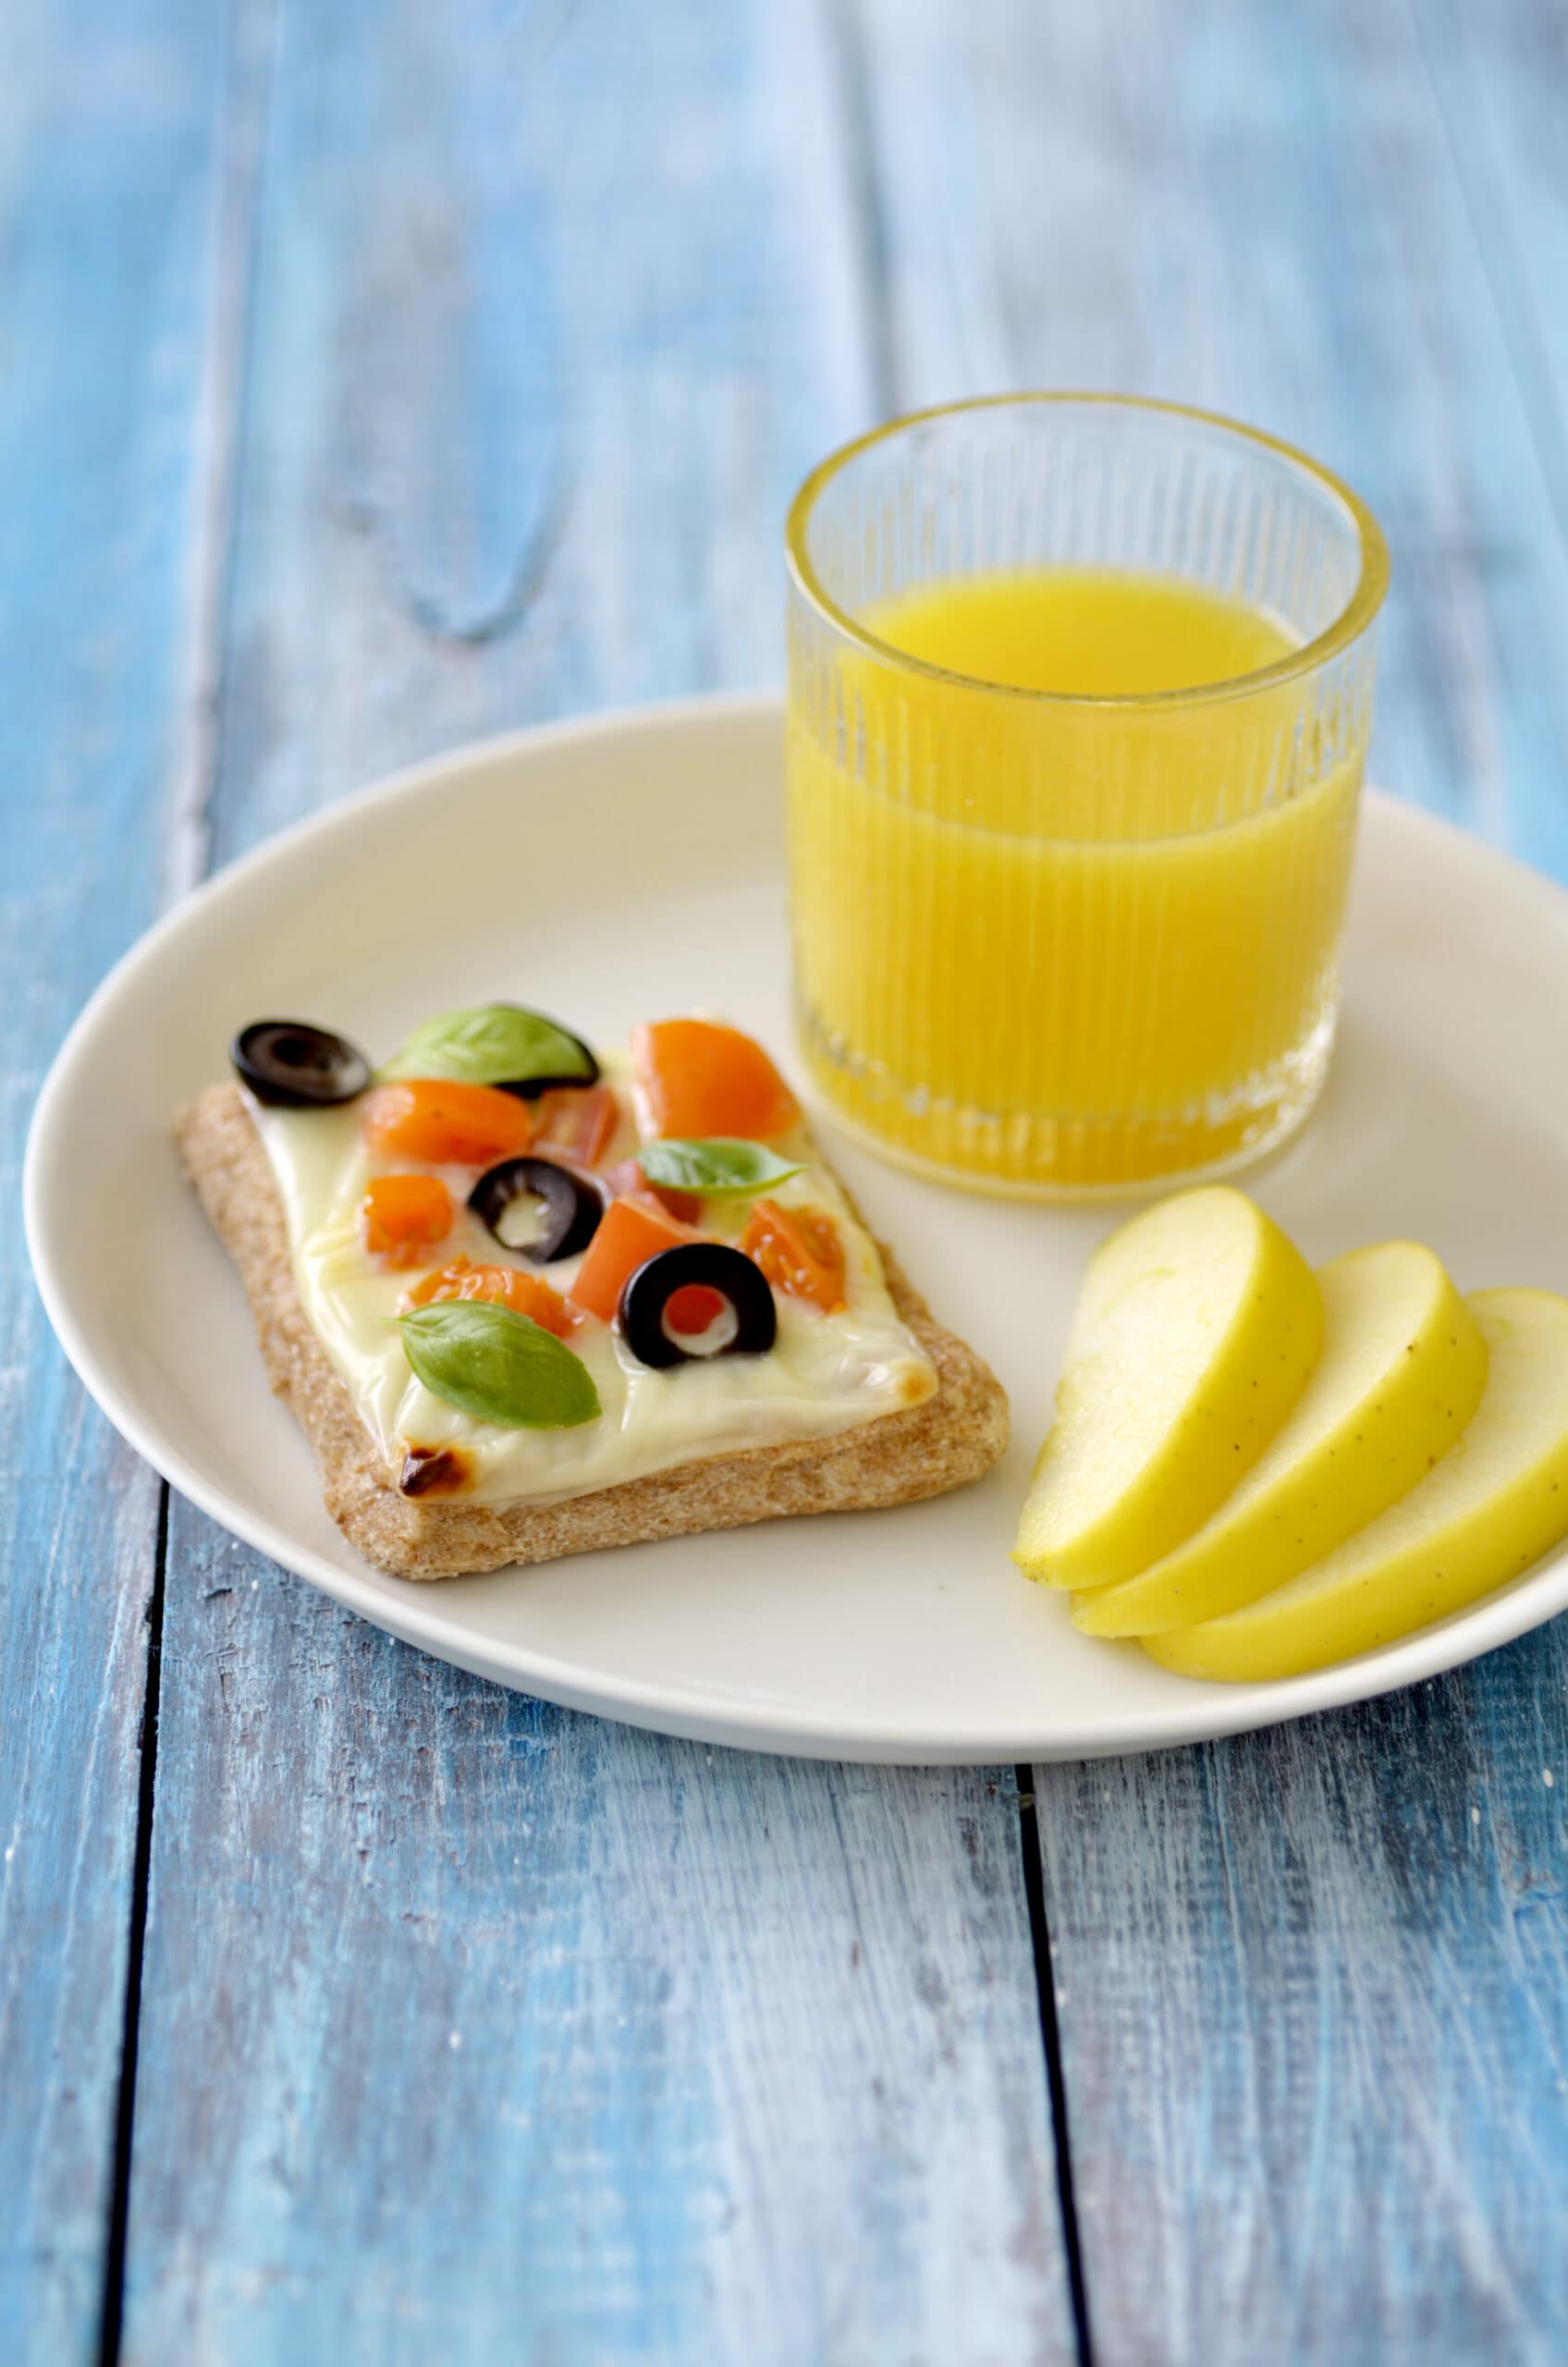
<point x="691" y="1712"/>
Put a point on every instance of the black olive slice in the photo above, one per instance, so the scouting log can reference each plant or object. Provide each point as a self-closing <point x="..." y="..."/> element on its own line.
<point x="753" y="1321"/>
<point x="554" y="1212"/>
<point x="295" y="1066"/>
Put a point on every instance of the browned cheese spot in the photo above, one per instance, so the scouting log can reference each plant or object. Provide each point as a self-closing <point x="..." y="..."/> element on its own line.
<point x="433" y="1471"/>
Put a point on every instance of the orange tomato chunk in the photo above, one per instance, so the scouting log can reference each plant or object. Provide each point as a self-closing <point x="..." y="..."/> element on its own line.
<point x="503" y="1286"/>
<point x="403" y="1216"/>
<point x="576" y="1123"/>
<point x="800" y="1251"/>
<point x="630" y="1232"/>
<point x="445" y="1122"/>
<point x="695" y="1078"/>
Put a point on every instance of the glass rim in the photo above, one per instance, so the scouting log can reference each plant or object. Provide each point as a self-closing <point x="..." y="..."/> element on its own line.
<point x="1365" y="601"/>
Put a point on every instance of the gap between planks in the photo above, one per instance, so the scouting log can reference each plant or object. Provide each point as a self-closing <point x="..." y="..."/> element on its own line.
<point x="234" y="247"/>
<point x="1050" y="2038"/>
<point x="113" y="2309"/>
<point x="254" y="40"/>
<point x="254" y="34"/>
<point x="847" y="35"/>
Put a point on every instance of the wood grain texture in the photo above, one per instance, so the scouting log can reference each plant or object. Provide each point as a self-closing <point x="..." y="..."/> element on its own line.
<point x="553" y="309"/>
<point x="472" y="2028"/>
<point x="1500" y="74"/>
<point x="107" y="173"/>
<point x="475" y="2030"/>
<point x="1313" y="1993"/>
<point x="1314" y="2029"/>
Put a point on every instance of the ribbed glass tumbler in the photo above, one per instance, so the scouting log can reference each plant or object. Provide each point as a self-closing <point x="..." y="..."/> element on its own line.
<point x="1073" y="940"/>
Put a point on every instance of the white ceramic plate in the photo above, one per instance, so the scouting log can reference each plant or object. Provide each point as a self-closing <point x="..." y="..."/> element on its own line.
<point x="631" y="865"/>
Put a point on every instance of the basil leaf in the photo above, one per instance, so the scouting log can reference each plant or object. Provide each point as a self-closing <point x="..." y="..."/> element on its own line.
<point x="498" y="1365"/>
<point x="495" y="1043"/>
<point x="720" y="1165"/>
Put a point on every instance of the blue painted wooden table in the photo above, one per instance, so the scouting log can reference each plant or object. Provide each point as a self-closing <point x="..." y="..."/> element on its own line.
<point x="378" y="372"/>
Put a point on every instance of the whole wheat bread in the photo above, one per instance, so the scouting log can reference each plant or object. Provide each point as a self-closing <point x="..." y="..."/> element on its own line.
<point x="895" y="1459"/>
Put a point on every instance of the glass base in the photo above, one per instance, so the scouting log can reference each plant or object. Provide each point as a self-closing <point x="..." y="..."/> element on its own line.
<point x="1021" y="1156"/>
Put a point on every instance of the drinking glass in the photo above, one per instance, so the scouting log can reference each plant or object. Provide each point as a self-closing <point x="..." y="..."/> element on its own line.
<point x="1051" y="942"/>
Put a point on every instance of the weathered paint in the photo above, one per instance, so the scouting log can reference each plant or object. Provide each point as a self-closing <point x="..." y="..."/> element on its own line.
<point x="108" y="173"/>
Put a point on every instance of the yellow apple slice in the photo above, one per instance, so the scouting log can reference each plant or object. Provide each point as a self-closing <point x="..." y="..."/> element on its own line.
<point x="1401" y="1371"/>
<point x="1197" y="1326"/>
<point x="1496" y="1503"/>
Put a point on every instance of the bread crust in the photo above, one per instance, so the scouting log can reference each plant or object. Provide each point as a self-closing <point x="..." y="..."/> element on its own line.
<point x="893" y="1459"/>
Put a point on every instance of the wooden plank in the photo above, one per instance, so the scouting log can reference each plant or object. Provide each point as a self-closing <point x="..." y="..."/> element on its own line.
<point x="1500" y="76"/>
<point x="524" y="2035"/>
<point x="1312" y="1992"/>
<point x="108" y="175"/>
<point x="521" y="2034"/>
<point x="529" y="388"/>
<point x="1314" y="2029"/>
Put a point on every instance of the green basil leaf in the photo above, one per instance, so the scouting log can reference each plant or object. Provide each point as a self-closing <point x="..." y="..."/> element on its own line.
<point x="495" y="1043"/>
<point x="498" y="1365"/>
<point x="717" y="1166"/>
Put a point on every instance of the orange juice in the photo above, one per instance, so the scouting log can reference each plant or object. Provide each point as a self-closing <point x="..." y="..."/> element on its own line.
<point x="1091" y="632"/>
<point x="1057" y="924"/>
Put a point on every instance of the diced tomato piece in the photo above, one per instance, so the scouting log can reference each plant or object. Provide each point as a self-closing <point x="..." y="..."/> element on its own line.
<point x="442" y="1121"/>
<point x="503" y="1286"/>
<point x="800" y="1251"/>
<point x="690" y="1310"/>
<point x="576" y="1123"/>
<point x="630" y="1232"/>
<point x="695" y="1078"/>
<point x="627" y="1181"/>
<point x="403" y="1216"/>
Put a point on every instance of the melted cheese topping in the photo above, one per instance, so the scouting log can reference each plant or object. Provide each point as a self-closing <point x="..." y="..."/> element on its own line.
<point x="825" y="1373"/>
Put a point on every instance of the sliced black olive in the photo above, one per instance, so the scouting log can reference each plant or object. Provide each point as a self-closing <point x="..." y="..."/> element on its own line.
<point x="553" y="1212"/>
<point x="295" y="1066"/>
<point x="748" y="1327"/>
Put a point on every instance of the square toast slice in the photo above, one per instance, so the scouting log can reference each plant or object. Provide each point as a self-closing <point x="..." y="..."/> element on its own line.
<point x="894" y="1459"/>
